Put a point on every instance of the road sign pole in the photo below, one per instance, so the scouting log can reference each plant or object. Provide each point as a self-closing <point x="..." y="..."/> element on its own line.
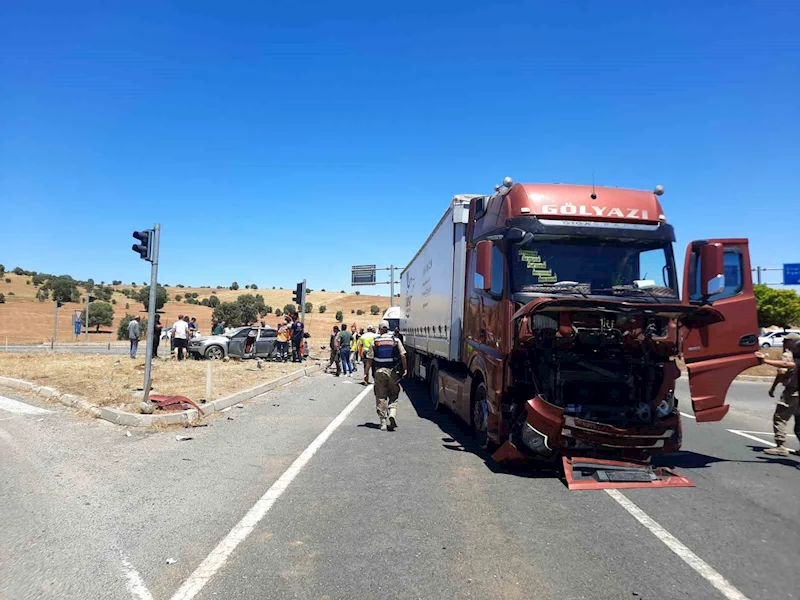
<point x="86" y="338"/>
<point x="55" y="323"/>
<point x="151" y="315"/>
<point x="303" y="305"/>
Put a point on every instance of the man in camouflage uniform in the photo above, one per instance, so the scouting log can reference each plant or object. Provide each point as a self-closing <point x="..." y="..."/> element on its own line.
<point x="788" y="405"/>
<point x="388" y="356"/>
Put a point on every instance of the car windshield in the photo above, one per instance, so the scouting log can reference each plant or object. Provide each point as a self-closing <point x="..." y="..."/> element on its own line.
<point x="594" y="266"/>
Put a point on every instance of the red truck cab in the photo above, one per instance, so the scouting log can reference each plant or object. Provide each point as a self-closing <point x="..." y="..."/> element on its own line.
<point x="574" y="323"/>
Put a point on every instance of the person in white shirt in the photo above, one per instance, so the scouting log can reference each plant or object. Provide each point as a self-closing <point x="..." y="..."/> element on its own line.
<point x="180" y="338"/>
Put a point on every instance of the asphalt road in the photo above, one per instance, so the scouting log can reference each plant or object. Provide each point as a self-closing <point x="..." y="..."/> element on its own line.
<point x="88" y="512"/>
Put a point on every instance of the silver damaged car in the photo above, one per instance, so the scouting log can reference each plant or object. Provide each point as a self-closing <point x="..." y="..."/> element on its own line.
<point x="243" y="342"/>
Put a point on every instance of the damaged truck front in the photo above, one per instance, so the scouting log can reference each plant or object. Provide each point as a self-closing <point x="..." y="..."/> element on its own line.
<point x="549" y="318"/>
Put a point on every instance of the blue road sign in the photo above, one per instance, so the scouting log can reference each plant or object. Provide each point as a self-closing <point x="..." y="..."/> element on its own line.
<point x="77" y="327"/>
<point x="791" y="274"/>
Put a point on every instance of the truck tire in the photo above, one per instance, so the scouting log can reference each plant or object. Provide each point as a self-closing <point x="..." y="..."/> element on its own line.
<point x="480" y="416"/>
<point x="433" y="386"/>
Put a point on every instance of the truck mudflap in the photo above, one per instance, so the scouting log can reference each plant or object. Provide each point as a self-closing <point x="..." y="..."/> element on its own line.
<point x="599" y="474"/>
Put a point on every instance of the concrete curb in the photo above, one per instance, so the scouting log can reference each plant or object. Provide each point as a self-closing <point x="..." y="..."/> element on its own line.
<point x="755" y="378"/>
<point x="120" y="417"/>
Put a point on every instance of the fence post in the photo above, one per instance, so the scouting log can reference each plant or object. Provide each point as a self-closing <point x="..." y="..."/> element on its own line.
<point x="209" y="397"/>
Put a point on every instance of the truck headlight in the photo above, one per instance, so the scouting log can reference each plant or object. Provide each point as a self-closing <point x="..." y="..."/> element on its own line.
<point x="534" y="439"/>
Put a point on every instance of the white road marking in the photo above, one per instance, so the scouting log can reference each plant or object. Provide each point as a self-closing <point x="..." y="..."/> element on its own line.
<point x="214" y="561"/>
<point x="688" y="416"/>
<point x="705" y="570"/>
<point x="15" y="406"/>
<point x="764" y="432"/>
<point x="135" y="584"/>
<point x="752" y="437"/>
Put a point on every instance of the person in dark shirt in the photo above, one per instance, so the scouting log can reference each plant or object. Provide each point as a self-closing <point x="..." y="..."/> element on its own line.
<point x="345" y="340"/>
<point x="297" y="338"/>
<point x="788" y="405"/>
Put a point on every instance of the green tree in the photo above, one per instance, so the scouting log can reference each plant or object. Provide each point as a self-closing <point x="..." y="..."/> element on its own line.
<point x="204" y="301"/>
<point x="322" y="308"/>
<point x="2" y="270"/>
<point x="122" y="328"/>
<point x="38" y="280"/>
<point x="339" y="316"/>
<point x="374" y="310"/>
<point x="230" y="312"/>
<point x="101" y="313"/>
<point x="359" y="312"/>
<point x="358" y="293"/>
<point x="352" y="311"/>
<point x="18" y="271"/>
<point x="194" y="294"/>
<point x="42" y="295"/>
<point x="161" y="297"/>
<point x="309" y="307"/>
<point x="777" y="307"/>
<point x="253" y="286"/>
<point x="63" y="289"/>
<point x="27" y="282"/>
<point x="269" y="309"/>
<point x="289" y="309"/>
<point x="178" y="297"/>
<point x="8" y="280"/>
<point x="103" y="293"/>
<point x="2" y="298"/>
<point x="342" y="291"/>
<point x="234" y="286"/>
<point x="252" y="307"/>
<point x="213" y="301"/>
<point x="278" y="312"/>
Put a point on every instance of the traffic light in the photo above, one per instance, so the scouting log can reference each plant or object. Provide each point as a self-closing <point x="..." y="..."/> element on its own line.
<point x="299" y="297"/>
<point x="59" y="304"/>
<point x="145" y="246"/>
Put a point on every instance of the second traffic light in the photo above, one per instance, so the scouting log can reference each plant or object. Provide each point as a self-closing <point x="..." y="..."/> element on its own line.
<point x="299" y="297"/>
<point x="145" y="246"/>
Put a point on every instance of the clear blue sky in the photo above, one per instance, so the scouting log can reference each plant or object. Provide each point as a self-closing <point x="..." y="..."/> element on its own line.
<point x="265" y="138"/>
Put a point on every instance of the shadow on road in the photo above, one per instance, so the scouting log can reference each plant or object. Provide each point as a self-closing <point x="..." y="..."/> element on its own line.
<point x="459" y="437"/>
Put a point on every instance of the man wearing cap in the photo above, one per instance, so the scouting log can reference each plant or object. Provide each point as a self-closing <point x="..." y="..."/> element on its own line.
<point x="788" y="405"/>
<point x="389" y="359"/>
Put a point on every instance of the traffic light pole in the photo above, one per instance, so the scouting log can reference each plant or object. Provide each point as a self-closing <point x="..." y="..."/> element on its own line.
<point x="303" y="303"/>
<point x="151" y="314"/>
<point x="86" y="338"/>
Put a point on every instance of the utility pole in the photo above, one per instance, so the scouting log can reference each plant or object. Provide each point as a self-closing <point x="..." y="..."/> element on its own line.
<point x="758" y="275"/>
<point x="151" y="313"/>
<point x="391" y="285"/>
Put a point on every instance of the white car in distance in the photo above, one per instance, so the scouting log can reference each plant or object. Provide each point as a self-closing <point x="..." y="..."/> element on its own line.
<point x="774" y="339"/>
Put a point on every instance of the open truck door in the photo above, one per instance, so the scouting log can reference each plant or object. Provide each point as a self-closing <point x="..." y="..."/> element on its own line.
<point x="717" y="273"/>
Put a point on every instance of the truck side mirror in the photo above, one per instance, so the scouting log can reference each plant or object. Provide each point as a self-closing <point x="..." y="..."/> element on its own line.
<point x="484" y="263"/>
<point x="712" y="270"/>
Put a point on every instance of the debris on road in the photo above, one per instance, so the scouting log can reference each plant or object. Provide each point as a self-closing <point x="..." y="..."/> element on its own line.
<point x="240" y="405"/>
<point x="183" y="438"/>
<point x="225" y="409"/>
<point x="276" y="405"/>
<point x="231" y="418"/>
<point x="127" y="433"/>
<point x="171" y="561"/>
<point x="187" y="425"/>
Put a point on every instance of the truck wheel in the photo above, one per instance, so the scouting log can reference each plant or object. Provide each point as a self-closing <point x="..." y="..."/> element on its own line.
<point x="433" y="386"/>
<point x="480" y="416"/>
<point x="215" y="353"/>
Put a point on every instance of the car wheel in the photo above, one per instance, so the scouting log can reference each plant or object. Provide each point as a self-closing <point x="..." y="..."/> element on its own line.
<point x="215" y="353"/>
<point x="766" y="345"/>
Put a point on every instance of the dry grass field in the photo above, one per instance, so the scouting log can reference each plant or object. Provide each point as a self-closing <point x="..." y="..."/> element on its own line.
<point x="24" y="320"/>
<point x="110" y="380"/>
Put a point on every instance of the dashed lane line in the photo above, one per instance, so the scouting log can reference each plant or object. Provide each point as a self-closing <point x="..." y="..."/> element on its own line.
<point x="706" y="571"/>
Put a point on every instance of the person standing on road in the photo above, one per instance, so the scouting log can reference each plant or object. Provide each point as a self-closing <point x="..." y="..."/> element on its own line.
<point x="157" y="329"/>
<point x="389" y="357"/>
<point x="218" y="328"/>
<point x="788" y="405"/>
<point x="282" y="341"/>
<point x="133" y="335"/>
<point x="180" y="337"/>
<point x="364" y="345"/>
<point x="297" y="338"/>
<point x="345" y="339"/>
<point x="334" y="352"/>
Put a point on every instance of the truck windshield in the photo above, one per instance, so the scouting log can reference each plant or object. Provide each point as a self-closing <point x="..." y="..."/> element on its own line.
<point x="594" y="266"/>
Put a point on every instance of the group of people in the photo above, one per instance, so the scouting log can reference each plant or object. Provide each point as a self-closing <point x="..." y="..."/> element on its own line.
<point x="291" y="331"/>
<point x="179" y="334"/>
<point x="383" y="355"/>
